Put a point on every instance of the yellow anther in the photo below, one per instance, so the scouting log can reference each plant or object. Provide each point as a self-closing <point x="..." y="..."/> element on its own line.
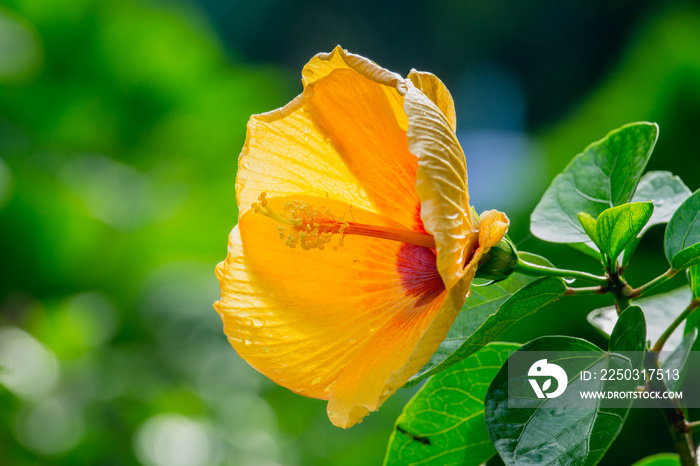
<point x="301" y="223"/>
<point x="312" y="227"/>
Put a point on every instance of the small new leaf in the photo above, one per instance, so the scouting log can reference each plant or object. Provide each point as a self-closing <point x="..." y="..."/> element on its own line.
<point x="618" y="226"/>
<point x="588" y="224"/>
<point x="660" y="459"/>
<point x="682" y="237"/>
<point x="667" y="192"/>
<point x="694" y="279"/>
<point x="605" y="175"/>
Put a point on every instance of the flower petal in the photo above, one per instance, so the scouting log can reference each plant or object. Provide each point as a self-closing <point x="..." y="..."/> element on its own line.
<point x="285" y="154"/>
<point x="337" y="324"/>
<point x="435" y="90"/>
<point x="492" y="228"/>
<point x="386" y="362"/>
<point x="349" y="123"/>
<point x="356" y="115"/>
<point x="324" y="64"/>
<point x="441" y="184"/>
<point x="395" y="343"/>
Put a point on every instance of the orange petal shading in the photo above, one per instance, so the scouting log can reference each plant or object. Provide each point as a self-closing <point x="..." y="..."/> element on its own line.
<point x="324" y="64"/>
<point x="356" y="115"/>
<point x="349" y="325"/>
<point x="284" y="155"/>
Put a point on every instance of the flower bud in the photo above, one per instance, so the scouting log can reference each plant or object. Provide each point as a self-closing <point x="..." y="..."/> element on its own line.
<point x="499" y="262"/>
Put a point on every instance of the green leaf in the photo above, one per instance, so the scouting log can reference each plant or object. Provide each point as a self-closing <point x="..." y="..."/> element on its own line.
<point x="666" y="191"/>
<point x="693" y="321"/>
<point x="686" y="258"/>
<point x="630" y="334"/>
<point x="678" y="358"/>
<point x="618" y="226"/>
<point x="588" y="223"/>
<point x="605" y="175"/>
<point x="694" y="279"/>
<point x="630" y="331"/>
<point x="444" y="422"/>
<point x="659" y="310"/>
<point x="660" y="459"/>
<point x="682" y="238"/>
<point x="468" y="339"/>
<point x="550" y="431"/>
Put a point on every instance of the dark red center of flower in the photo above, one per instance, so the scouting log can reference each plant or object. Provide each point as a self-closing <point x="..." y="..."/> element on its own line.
<point x="418" y="270"/>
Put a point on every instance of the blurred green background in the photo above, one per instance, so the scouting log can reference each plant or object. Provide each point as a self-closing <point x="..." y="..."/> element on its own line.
<point x="120" y="124"/>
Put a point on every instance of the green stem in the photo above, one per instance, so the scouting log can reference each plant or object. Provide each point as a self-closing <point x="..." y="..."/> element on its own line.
<point x="621" y="291"/>
<point x="586" y="290"/>
<point x="682" y="438"/>
<point x="691" y="427"/>
<point x="677" y="425"/>
<point x="674" y="325"/>
<point x="644" y="289"/>
<point x="534" y="270"/>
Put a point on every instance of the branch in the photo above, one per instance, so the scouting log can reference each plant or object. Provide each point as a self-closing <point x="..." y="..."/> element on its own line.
<point x="691" y="427"/>
<point x="534" y="270"/>
<point x="644" y="289"/>
<point x="677" y="424"/>
<point x="682" y="439"/>
<point x="674" y="325"/>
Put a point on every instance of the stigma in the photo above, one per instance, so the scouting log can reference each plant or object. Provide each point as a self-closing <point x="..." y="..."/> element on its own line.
<point x="313" y="227"/>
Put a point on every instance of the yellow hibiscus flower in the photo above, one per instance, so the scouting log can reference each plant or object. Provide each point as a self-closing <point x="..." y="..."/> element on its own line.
<point x="364" y="173"/>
